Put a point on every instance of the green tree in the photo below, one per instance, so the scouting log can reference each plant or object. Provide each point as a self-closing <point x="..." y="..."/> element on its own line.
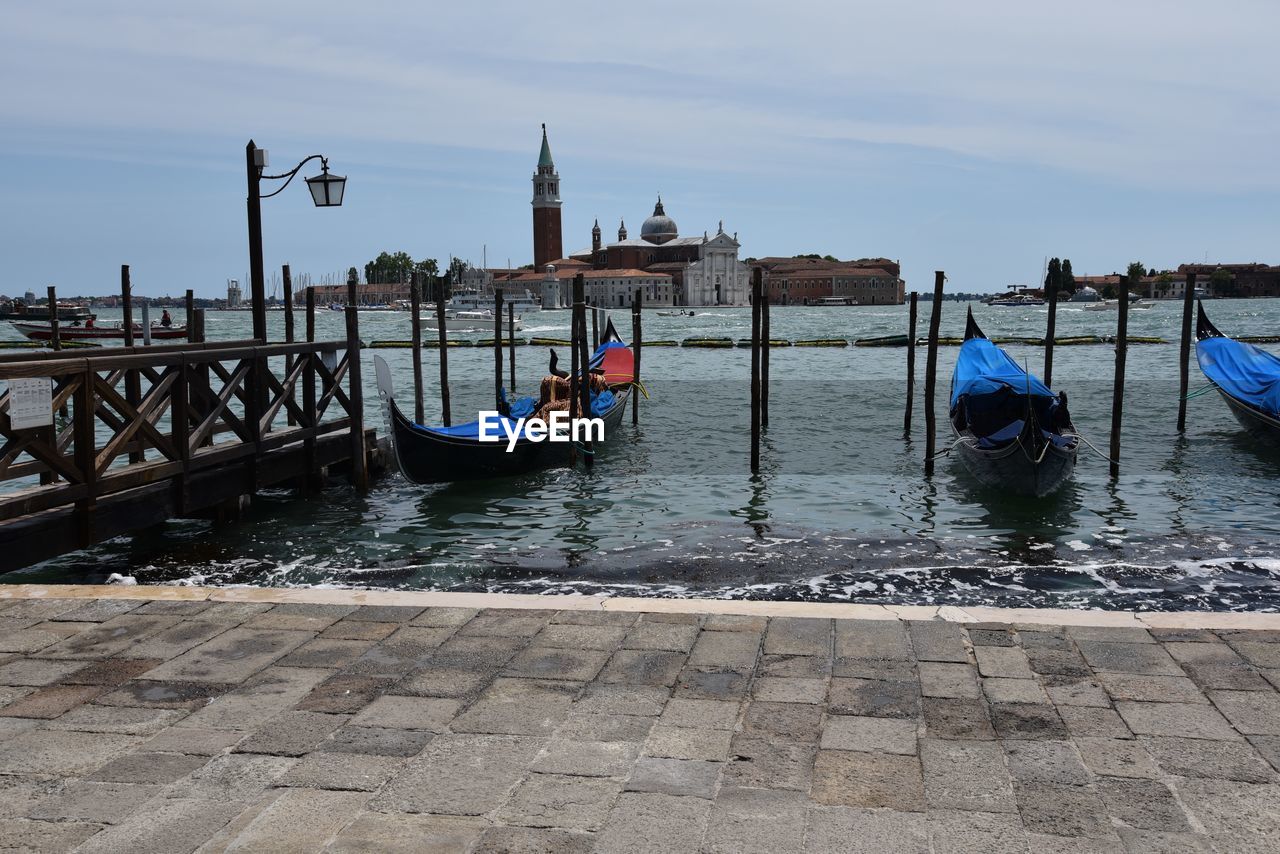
<point x="1053" y="277"/>
<point x="353" y="274"/>
<point x="1068" y="280"/>
<point x="427" y="266"/>
<point x="1164" y="283"/>
<point x="388" y="268"/>
<point x="1135" y="274"/>
<point x="1222" y="283"/>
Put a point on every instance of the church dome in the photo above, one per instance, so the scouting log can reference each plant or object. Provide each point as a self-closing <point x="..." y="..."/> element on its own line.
<point x="658" y="228"/>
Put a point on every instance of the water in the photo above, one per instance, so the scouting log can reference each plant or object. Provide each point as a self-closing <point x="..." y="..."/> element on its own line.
<point x="840" y="512"/>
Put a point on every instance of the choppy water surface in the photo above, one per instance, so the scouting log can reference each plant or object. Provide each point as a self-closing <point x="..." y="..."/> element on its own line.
<point x="841" y="511"/>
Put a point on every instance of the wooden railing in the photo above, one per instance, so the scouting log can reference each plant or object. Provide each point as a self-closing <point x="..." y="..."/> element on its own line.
<point x="129" y="417"/>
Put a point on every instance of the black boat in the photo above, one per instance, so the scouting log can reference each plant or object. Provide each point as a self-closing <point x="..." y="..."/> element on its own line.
<point x="1247" y="377"/>
<point x="446" y="454"/>
<point x="1013" y="433"/>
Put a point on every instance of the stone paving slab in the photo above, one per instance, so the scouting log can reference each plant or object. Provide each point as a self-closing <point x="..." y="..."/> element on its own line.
<point x="154" y="719"/>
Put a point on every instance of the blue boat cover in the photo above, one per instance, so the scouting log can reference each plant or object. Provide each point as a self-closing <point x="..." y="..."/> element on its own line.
<point x="1243" y="371"/>
<point x="983" y="368"/>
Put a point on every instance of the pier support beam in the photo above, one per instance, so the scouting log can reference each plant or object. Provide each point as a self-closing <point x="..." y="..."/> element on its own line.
<point x="1184" y="355"/>
<point x="1117" y="388"/>
<point x="911" y="368"/>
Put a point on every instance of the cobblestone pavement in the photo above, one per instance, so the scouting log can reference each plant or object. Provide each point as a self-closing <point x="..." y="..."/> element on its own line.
<point x="174" y="726"/>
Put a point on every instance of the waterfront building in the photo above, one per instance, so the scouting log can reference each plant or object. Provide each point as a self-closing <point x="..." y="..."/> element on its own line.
<point x="807" y="281"/>
<point x="234" y="296"/>
<point x="699" y="270"/>
<point x="604" y="288"/>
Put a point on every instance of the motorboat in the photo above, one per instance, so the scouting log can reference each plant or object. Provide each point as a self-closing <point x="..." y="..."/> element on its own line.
<point x="466" y="321"/>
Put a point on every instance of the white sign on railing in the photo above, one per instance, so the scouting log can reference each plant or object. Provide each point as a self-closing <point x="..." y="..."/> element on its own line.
<point x="30" y="403"/>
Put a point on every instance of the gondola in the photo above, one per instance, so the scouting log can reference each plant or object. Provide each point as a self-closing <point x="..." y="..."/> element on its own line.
<point x="447" y="454"/>
<point x="1247" y="377"/>
<point x="1014" y="434"/>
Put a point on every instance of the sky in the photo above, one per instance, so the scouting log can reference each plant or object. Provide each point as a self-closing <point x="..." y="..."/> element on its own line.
<point x="975" y="138"/>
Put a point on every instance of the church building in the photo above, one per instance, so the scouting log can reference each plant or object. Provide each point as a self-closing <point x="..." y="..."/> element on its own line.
<point x="697" y="271"/>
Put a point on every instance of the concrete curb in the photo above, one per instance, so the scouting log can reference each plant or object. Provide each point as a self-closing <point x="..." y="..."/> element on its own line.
<point x="829" y="610"/>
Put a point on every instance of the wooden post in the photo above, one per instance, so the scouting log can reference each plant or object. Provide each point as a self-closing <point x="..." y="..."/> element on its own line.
<point x="415" y="323"/>
<point x="1051" y="334"/>
<point x="126" y="305"/>
<point x="1117" y="389"/>
<point x="497" y="352"/>
<point x="511" y="345"/>
<point x="911" y="368"/>
<point x="132" y="384"/>
<point x="146" y="323"/>
<point x="931" y="371"/>
<point x="595" y="329"/>
<point x="444" y="353"/>
<point x="635" y="356"/>
<point x="310" y="479"/>
<point x="196" y="335"/>
<point x="1184" y="357"/>
<point x="288" y="303"/>
<point x="756" y="291"/>
<point x="55" y="336"/>
<point x="574" y="379"/>
<point x="584" y="387"/>
<point x="311" y="314"/>
<point x="86" y="453"/>
<point x="359" y="465"/>
<point x="289" y="361"/>
<point x="764" y="358"/>
<point x="191" y="312"/>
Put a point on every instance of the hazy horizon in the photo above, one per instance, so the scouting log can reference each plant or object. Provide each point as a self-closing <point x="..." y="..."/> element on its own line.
<point x="977" y="140"/>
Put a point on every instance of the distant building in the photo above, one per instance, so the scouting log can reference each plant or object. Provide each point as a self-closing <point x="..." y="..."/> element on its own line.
<point x="234" y="296"/>
<point x="698" y="270"/>
<point x="805" y="281"/>
<point x="604" y="288"/>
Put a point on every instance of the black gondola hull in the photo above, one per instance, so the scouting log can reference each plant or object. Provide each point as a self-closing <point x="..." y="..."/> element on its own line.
<point x="1256" y="423"/>
<point x="1010" y="469"/>
<point x="427" y="457"/>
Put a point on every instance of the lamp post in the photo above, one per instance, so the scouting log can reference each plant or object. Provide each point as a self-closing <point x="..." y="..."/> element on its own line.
<point x="326" y="191"/>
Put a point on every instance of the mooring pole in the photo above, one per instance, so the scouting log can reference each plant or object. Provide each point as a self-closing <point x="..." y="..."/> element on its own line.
<point x="595" y="330"/>
<point x="55" y="337"/>
<point x="930" y="372"/>
<point x="415" y="306"/>
<point x="764" y="359"/>
<point x="497" y="351"/>
<point x="756" y="290"/>
<point x="146" y="323"/>
<point x="511" y="344"/>
<point x="574" y="380"/>
<point x="289" y="361"/>
<point x="311" y="315"/>
<point x="635" y="357"/>
<point x="1184" y="357"/>
<point x="589" y="456"/>
<point x="355" y="393"/>
<point x="287" y="276"/>
<point x="126" y="305"/>
<point x="311" y="480"/>
<point x="191" y="312"/>
<point x="911" y="368"/>
<point x="444" y="353"/>
<point x="1050" y="334"/>
<point x="1117" y="391"/>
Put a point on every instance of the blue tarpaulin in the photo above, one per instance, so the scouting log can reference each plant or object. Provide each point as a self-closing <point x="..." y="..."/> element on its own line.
<point x="1243" y="371"/>
<point x="983" y="368"/>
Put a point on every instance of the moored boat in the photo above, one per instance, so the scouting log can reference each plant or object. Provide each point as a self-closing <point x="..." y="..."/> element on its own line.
<point x="44" y="331"/>
<point x="67" y="313"/>
<point x="445" y="454"/>
<point x="1014" y="434"/>
<point x="467" y="321"/>
<point x="1247" y="377"/>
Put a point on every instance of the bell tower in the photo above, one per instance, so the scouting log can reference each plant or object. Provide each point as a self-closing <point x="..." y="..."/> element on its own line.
<point x="547" y="243"/>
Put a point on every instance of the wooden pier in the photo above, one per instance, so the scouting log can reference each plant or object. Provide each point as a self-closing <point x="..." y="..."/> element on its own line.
<point x="144" y="434"/>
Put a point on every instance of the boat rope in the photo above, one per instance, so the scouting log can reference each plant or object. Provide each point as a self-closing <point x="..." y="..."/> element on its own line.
<point x="1204" y="389"/>
<point x="963" y="440"/>
<point x="1081" y="437"/>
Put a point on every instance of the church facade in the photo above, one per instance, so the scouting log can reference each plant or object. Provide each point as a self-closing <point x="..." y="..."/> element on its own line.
<point x="696" y="271"/>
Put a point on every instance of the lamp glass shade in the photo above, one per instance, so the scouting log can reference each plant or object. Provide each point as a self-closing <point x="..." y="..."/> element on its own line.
<point x="327" y="189"/>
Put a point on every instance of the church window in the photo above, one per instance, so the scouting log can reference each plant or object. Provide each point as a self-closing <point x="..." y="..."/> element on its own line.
<point x="553" y="189"/>
<point x="539" y="188"/>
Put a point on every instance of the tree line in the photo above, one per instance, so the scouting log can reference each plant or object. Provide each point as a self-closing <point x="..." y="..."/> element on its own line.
<point x="399" y="267"/>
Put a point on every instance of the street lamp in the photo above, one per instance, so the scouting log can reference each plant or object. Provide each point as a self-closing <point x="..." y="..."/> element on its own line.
<point x="326" y="191"/>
